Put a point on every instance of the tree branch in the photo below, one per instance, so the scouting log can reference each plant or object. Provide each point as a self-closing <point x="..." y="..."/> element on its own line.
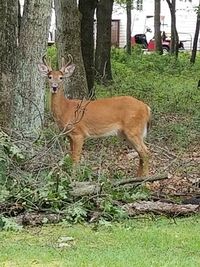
<point x="141" y="179"/>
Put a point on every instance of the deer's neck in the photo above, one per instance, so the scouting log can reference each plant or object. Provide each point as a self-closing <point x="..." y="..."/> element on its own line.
<point x="59" y="107"/>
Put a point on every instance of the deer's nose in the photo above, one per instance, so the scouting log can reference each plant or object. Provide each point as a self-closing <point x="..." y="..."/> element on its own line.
<point x="54" y="88"/>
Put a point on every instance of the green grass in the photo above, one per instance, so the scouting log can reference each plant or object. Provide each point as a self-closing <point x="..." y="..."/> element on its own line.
<point x="133" y="243"/>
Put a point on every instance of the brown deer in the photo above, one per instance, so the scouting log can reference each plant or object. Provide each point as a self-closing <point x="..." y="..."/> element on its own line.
<point x="81" y="119"/>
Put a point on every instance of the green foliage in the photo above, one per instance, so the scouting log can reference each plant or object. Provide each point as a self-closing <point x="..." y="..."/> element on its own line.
<point x="9" y="224"/>
<point x="8" y="150"/>
<point x="9" y="147"/>
<point x="52" y="56"/>
<point x="111" y="211"/>
<point x="76" y="213"/>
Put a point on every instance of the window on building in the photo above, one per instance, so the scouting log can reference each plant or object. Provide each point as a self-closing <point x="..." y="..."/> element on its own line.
<point x="139" y="4"/>
<point x="115" y="33"/>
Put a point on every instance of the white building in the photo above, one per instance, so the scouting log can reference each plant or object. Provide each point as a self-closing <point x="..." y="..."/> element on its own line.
<point x="143" y="18"/>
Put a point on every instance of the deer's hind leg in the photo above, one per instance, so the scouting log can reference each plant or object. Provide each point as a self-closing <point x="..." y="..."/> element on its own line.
<point x="136" y="140"/>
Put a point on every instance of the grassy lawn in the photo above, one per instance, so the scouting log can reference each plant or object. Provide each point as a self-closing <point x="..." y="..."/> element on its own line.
<point x="139" y="243"/>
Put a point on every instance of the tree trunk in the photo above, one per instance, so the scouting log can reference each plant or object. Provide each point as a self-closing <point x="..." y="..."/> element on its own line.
<point x="103" y="41"/>
<point x="68" y="42"/>
<point x="128" y="29"/>
<point x="87" y="8"/>
<point x="174" y="45"/>
<point x="196" y="36"/>
<point x="8" y="46"/>
<point x="28" y="95"/>
<point x="158" y="42"/>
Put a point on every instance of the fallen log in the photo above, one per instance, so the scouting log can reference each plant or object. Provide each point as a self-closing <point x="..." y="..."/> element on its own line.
<point x="37" y="218"/>
<point x="79" y="189"/>
<point x="160" y="208"/>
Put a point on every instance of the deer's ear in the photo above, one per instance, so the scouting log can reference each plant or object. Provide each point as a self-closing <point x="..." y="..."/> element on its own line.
<point x="44" y="70"/>
<point x="68" y="70"/>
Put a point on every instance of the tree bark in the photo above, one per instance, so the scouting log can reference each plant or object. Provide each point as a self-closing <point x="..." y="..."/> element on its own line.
<point x="87" y="8"/>
<point x="68" y="42"/>
<point x="196" y="36"/>
<point x="8" y="46"/>
<point x="128" y="29"/>
<point x="28" y="95"/>
<point x="174" y="45"/>
<point x="158" y="42"/>
<point x="103" y="40"/>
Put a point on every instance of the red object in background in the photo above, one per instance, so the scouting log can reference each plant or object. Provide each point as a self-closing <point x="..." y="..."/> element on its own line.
<point x="133" y="40"/>
<point x="151" y="45"/>
<point x="141" y="40"/>
<point x="165" y="45"/>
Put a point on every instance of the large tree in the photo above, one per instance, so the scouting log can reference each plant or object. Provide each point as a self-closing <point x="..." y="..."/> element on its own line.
<point x="103" y="40"/>
<point x="68" y="42"/>
<point x="196" y="36"/>
<point x="23" y="42"/>
<point x="174" y="46"/>
<point x="8" y="47"/>
<point x="158" y="42"/>
<point x="28" y="90"/>
<point x="87" y="9"/>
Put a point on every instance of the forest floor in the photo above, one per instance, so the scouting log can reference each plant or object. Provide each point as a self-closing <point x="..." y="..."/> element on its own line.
<point x="116" y="160"/>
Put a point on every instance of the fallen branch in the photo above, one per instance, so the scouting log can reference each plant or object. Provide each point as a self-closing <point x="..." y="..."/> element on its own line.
<point x="158" y="207"/>
<point x="140" y="180"/>
<point x="80" y="189"/>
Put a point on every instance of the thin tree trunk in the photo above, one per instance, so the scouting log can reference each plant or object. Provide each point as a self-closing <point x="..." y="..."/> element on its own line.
<point x="128" y="29"/>
<point x="87" y="8"/>
<point x="158" y="41"/>
<point x="196" y="36"/>
<point x="28" y="95"/>
<point x="68" y="42"/>
<point x="8" y="46"/>
<point x="174" y="45"/>
<point x="103" y="41"/>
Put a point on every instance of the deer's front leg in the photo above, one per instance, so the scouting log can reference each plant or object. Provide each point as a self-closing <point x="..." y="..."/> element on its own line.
<point x="76" y="145"/>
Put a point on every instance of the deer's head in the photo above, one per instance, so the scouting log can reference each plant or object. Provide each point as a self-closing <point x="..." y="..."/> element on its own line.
<point x="56" y="77"/>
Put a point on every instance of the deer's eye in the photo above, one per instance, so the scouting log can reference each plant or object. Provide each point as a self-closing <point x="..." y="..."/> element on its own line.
<point x="50" y="77"/>
<point x="61" y="77"/>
